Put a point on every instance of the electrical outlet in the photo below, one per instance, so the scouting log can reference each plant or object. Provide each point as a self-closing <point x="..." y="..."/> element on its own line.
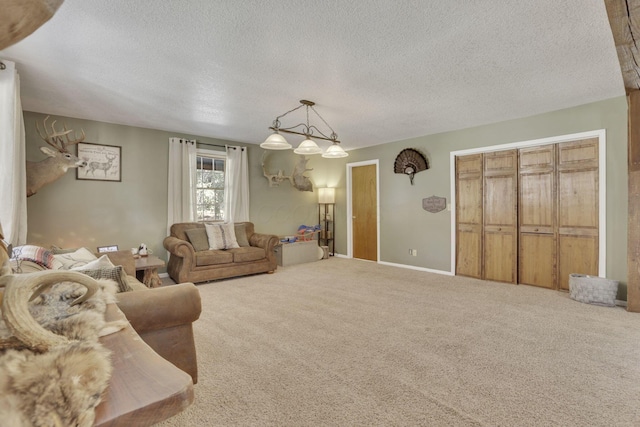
<point x="413" y="252"/>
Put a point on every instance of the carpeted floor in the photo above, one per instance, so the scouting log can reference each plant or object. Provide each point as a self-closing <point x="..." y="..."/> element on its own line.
<point x="344" y="342"/>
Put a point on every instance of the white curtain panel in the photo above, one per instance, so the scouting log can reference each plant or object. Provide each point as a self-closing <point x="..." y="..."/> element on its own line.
<point x="13" y="176"/>
<point x="236" y="186"/>
<point x="182" y="181"/>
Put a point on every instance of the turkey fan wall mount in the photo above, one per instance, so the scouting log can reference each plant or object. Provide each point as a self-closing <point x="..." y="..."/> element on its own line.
<point x="409" y="162"/>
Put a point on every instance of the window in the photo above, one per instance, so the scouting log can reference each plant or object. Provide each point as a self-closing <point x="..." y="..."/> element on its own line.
<point x="210" y="170"/>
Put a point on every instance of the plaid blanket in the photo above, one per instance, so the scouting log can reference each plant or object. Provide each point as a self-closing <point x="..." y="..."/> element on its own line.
<point x="37" y="254"/>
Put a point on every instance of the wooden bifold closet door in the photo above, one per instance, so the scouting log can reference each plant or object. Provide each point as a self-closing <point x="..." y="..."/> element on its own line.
<point x="500" y="216"/>
<point x="469" y="215"/>
<point x="578" y="209"/>
<point x="537" y="213"/>
<point x="530" y="215"/>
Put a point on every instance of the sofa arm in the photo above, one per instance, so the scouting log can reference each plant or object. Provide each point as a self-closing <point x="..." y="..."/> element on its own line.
<point x="267" y="242"/>
<point x="182" y="260"/>
<point x="179" y="247"/>
<point x="264" y="241"/>
<point x="163" y="317"/>
<point x="161" y="308"/>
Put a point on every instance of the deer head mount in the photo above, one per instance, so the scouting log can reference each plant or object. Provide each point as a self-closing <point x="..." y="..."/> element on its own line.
<point x="59" y="159"/>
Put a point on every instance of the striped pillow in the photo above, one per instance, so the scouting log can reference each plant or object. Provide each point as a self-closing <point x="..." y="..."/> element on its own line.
<point x="221" y="236"/>
<point x="36" y="254"/>
<point x="116" y="274"/>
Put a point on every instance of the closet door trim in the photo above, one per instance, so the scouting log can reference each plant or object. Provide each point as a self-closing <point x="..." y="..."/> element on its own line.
<point x="601" y="134"/>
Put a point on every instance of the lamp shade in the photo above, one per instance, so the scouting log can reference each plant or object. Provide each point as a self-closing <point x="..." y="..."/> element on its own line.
<point x="326" y="195"/>
<point x="335" y="152"/>
<point x="308" y="146"/>
<point x="275" y="141"/>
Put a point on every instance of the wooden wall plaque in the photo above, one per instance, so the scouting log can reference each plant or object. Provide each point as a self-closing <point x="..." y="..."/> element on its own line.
<point x="434" y="204"/>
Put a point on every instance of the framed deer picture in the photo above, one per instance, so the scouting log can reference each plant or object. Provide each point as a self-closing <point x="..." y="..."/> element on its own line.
<point x="102" y="162"/>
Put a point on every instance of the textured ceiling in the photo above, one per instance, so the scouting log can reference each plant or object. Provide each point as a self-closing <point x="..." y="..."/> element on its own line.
<point x="378" y="70"/>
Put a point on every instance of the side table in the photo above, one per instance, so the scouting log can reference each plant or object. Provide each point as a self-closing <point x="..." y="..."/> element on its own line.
<point x="147" y="270"/>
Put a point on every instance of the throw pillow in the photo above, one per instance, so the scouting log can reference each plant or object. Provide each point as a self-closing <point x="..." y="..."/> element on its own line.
<point x="221" y="236"/>
<point x="198" y="238"/>
<point x="36" y="254"/>
<point x="75" y="259"/>
<point x="241" y="235"/>
<point x="116" y="274"/>
<point x="102" y="262"/>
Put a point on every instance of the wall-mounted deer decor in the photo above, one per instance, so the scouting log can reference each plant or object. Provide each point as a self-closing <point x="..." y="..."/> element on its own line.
<point x="297" y="178"/>
<point x="58" y="161"/>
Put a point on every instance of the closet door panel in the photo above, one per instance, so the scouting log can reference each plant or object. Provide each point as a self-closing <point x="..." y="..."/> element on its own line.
<point x="499" y="256"/>
<point x="537" y="210"/>
<point x="500" y="201"/>
<point x="469" y="215"/>
<point x="539" y="157"/>
<point x="537" y="260"/>
<point x="537" y="202"/>
<point x="578" y="209"/>
<point x="578" y="199"/>
<point x="469" y="254"/>
<point x="471" y="164"/>
<point x="470" y="200"/>
<point x="578" y="254"/>
<point x="500" y="216"/>
<point x="578" y="154"/>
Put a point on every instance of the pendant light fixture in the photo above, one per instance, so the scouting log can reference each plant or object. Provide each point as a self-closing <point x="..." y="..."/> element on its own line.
<point x="308" y="146"/>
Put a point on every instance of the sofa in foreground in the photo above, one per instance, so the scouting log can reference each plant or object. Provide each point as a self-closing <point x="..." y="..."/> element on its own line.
<point x="191" y="260"/>
<point x="153" y="357"/>
<point x="162" y="317"/>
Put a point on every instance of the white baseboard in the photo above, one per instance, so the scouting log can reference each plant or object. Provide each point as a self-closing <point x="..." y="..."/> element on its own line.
<point x="621" y="303"/>
<point x="410" y="267"/>
<point x="163" y="275"/>
<point x="413" y="267"/>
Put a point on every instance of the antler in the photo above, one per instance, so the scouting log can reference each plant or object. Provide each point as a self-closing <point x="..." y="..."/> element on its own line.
<point x="15" y="311"/>
<point x="55" y="138"/>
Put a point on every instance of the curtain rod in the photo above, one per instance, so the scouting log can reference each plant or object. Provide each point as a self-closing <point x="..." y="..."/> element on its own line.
<point x="218" y="145"/>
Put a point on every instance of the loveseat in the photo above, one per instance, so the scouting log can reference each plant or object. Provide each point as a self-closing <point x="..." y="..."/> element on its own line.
<point x="191" y="260"/>
<point x="162" y="317"/>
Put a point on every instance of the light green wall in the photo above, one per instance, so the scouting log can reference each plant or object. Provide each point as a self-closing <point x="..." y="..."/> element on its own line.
<point x="71" y="213"/>
<point x="92" y="213"/>
<point x="282" y="209"/>
<point x="404" y="224"/>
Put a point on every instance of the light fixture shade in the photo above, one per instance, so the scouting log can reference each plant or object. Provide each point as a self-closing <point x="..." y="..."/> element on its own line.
<point x="335" y="152"/>
<point x="326" y="195"/>
<point x="308" y="146"/>
<point x="275" y="141"/>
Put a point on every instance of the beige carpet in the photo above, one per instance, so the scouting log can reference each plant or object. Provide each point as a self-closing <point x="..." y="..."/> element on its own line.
<point x="349" y="343"/>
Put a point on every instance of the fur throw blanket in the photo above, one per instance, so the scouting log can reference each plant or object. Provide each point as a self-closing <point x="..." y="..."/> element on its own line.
<point x="61" y="386"/>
